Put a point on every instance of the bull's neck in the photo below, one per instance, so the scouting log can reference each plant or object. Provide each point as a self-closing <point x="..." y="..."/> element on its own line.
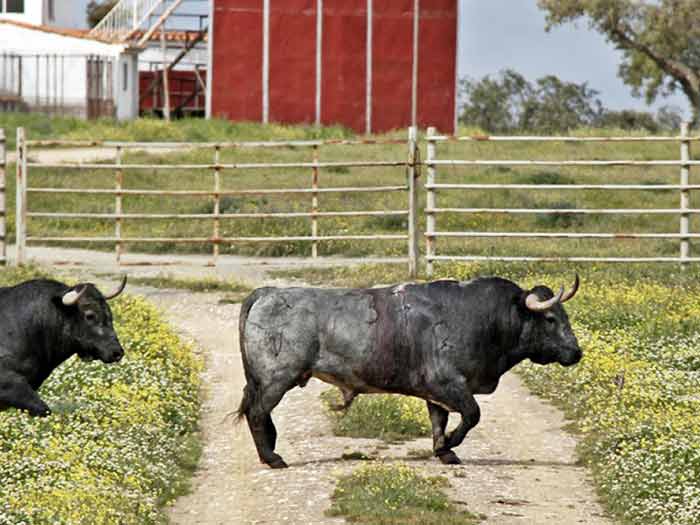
<point x="48" y="339"/>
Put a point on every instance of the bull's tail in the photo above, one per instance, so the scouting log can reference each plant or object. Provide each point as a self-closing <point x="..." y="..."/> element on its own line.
<point x="250" y="391"/>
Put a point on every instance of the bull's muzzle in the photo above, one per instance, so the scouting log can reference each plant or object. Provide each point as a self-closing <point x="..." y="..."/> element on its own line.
<point x="570" y="356"/>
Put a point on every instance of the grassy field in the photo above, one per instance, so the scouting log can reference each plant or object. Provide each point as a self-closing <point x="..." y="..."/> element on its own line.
<point x="121" y="442"/>
<point x="342" y="177"/>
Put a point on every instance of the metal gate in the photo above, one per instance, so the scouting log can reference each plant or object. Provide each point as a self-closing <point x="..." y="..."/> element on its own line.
<point x="437" y="166"/>
<point x="100" y="87"/>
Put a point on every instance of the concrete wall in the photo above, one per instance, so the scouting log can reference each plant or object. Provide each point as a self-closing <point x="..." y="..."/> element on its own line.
<point x="69" y="14"/>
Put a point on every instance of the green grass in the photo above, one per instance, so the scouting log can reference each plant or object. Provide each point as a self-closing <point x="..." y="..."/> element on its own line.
<point x="289" y="178"/>
<point x="383" y="416"/>
<point x="395" y="494"/>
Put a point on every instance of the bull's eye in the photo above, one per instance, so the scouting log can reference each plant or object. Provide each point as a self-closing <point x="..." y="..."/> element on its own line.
<point x="90" y="316"/>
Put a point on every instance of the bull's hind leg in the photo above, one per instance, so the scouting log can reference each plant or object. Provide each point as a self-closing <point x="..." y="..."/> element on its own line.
<point x="438" y="418"/>
<point x="261" y="426"/>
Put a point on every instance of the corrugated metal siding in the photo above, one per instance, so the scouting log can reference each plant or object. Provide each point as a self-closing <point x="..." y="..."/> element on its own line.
<point x="292" y="61"/>
<point x="238" y="49"/>
<point x="344" y="63"/>
<point x="436" y="64"/>
<point x="237" y="59"/>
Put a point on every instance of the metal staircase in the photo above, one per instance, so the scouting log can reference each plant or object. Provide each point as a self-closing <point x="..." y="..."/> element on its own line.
<point x="128" y="17"/>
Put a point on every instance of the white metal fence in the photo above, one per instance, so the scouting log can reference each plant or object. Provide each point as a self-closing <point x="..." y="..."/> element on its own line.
<point x="433" y="210"/>
<point x="435" y="166"/>
<point x="216" y="168"/>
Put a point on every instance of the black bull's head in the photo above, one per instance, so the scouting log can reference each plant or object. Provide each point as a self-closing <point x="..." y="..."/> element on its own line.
<point x="547" y="331"/>
<point x="92" y="331"/>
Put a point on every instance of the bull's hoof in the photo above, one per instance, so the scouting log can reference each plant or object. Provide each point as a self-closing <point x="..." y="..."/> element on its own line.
<point x="449" y="458"/>
<point x="277" y="462"/>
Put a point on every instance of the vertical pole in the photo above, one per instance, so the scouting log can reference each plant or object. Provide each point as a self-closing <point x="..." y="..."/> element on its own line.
<point x="314" y="203"/>
<point x="3" y="211"/>
<point x="430" y="203"/>
<point x="319" y="57"/>
<point x="119" y="181"/>
<point x="166" y="81"/>
<point x="21" y="199"/>
<point x="685" y="194"/>
<point x="368" y="71"/>
<point x="414" y="71"/>
<point x="217" y="201"/>
<point x="411" y="173"/>
<point x="266" y="63"/>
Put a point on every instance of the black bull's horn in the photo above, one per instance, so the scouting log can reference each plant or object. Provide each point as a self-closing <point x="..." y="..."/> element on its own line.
<point x="536" y="305"/>
<point x="120" y="289"/>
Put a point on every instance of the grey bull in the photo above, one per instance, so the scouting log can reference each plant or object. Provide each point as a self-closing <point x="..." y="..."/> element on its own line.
<point x="443" y="341"/>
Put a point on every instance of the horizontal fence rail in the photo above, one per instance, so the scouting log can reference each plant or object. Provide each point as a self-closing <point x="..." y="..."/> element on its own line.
<point x="217" y="169"/>
<point x="433" y="165"/>
<point x="432" y="210"/>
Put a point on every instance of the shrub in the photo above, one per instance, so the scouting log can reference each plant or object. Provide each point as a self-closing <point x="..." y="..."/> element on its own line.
<point x="121" y="439"/>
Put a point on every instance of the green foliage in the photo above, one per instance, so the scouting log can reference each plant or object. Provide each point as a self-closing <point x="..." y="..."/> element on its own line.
<point x="96" y="11"/>
<point x="121" y="442"/>
<point x="393" y="494"/>
<point x="659" y="41"/>
<point x="389" y="417"/>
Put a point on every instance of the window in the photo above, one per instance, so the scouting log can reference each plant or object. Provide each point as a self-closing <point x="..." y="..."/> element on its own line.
<point x="50" y="9"/>
<point x="14" y="6"/>
<point x="126" y="76"/>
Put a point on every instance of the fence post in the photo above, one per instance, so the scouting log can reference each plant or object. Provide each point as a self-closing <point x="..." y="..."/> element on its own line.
<point x="430" y="202"/>
<point x="21" y="200"/>
<point x="314" y="203"/>
<point x="3" y="211"/>
<point x="685" y="194"/>
<point x="119" y="181"/>
<point x="412" y="174"/>
<point x="217" y="202"/>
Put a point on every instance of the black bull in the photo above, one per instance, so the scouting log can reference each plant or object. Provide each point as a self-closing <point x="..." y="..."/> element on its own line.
<point x="442" y="342"/>
<point x="43" y="323"/>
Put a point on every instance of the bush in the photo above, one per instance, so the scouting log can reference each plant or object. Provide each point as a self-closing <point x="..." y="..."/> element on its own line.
<point x="121" y="441"/>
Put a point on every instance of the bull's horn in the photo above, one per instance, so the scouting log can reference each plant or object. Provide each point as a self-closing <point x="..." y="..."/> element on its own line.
<point x="533" y="302"/>
<point x="119" y="289"/>
<point x="70" y="298"/>
<point x="570" y="293"/>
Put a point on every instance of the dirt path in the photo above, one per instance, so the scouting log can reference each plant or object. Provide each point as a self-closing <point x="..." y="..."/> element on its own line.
<point x="519" y="464"/>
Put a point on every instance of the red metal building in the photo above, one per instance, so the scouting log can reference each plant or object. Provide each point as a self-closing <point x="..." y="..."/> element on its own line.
<point x="371" y="65"/>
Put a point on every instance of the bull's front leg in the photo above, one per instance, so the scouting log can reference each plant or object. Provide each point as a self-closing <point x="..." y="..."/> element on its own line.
<point x="438" y="419"/>
<point x="16" y="392"/>
<point x="470" y="412"/>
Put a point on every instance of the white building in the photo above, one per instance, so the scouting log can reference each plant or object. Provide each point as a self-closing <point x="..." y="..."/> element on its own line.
<point x="52" y="13"/>
<point x="67" y="72"/>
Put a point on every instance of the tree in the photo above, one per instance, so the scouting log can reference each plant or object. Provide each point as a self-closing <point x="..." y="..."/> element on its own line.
<point x="508" y="102"/>
<point x="96" y="11"/>
<point x="659" y="39"/>
<point x="494" y="104"/>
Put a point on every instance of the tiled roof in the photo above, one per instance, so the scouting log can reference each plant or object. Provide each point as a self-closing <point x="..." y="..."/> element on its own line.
<point x="75" y="33"/>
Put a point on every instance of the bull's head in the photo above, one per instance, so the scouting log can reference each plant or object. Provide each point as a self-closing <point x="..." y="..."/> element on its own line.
<point x="92" y="332"/>
<point x="547" y="332"/>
